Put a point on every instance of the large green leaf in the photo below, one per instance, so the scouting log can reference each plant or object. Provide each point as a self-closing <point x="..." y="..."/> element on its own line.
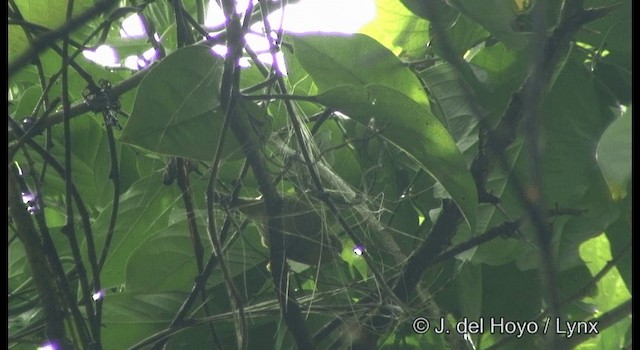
<point x="163" y="262"/>
<point x="611" y="292"/>
<point x="619" y="234"/>
<point x="613" y="78"/>
<point x="47" y="13"/>
<point x="412" y="128"/>
<point x="497" y="17"/>
<point x="611" y="32"/>
<point x="398" y="29"/>
<point x="522" y="291"/>
<point x="501" y="71"/>
<point x="166" y="261"/>
<point x="448" y="90"/>
<point x="144" y="210"/>
<point x="614" y="155"/>
<point x="572" y="121"/>
<point x="18" y="42"/>
<point x="360" y="77"/>
<point x="177" y="109"/>
<point x="27" y="102"/>
<point x="355" y="60"/>
<point x="462" y="33"/>
<point x="129" y="318"/>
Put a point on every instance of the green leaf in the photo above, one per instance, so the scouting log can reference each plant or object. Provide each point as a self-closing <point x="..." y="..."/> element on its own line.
<point x="613" y="79"/>
<point x="129" y="318"/>
<point x="465" y="34"/>
<point x="573" y="121"/>
<point x="331" y="143"/>
<point x="443" y="12"/>
<point x="462" y="32"/>
<point x="500" y="70"/>
<point x="91" y="163"/>
<point x="412" y="128"/>
<point x="611" y="292"/>
<point x="619" y="235"/>
<point x="177" y="110"/>
<point x="507" y="282"/>
<point x="614" y="155"/>
<point x="144" y="210"/>
<point x="16" y="264"/>
<point x="163" y="263"/>
<point x="461" y="296"/>
<point x="166" y="261"/>
<point x="27" y="102"/>
<point x="356" y="60"/>
<point x="600" y="213"/>
<point x="612" y="32"/>
<point x="447" y="89"/>
<point x="398" y="29"/>
<point x="17" y="42"/>
<point x="47" y="13"/>
<point x="355" y="72"/>
<point x="497" y="17"/>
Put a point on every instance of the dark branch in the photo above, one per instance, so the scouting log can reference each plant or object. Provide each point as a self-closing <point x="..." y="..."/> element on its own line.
<point x="42" y="276"/>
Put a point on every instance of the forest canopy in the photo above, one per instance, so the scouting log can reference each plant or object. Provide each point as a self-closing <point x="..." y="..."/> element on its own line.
<point x="203" y="174"/>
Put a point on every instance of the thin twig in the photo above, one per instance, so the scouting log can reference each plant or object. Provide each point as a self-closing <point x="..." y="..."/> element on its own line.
<point x="228" y="87"/>
<point x="69" y="229"/>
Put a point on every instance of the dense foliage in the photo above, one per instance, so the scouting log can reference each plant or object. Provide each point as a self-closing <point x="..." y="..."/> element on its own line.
<point x="460" y="162"/>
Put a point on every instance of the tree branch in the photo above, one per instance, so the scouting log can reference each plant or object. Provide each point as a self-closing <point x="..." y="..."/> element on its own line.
<point x="603" y="322"/>
<point x="42" y="276"/>
<point x="438" y="239"/>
